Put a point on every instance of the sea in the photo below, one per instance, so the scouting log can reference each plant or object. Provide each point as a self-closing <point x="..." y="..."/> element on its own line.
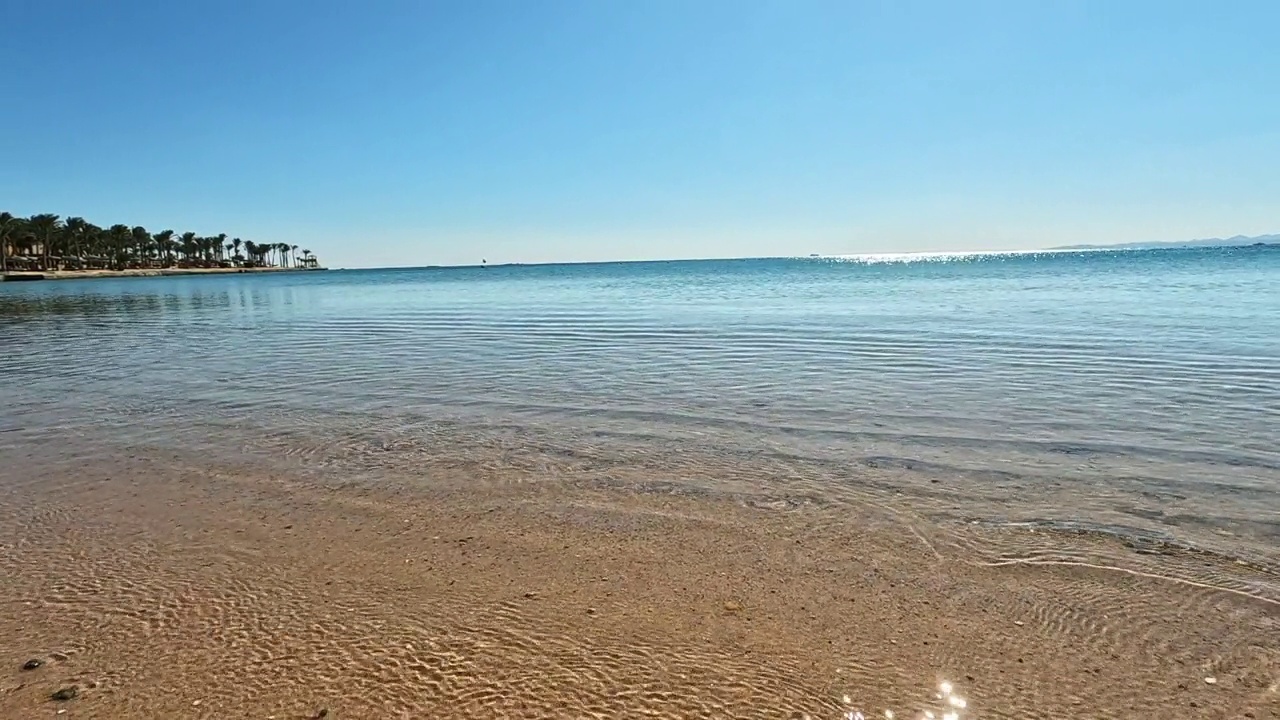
<point x="1131" y="393"/>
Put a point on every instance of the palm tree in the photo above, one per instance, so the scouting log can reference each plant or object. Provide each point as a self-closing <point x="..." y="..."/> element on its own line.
<point x="81" y="242"/>
<point x="90" y="238"/>
<point x="118" y="239"/>
<point x="141" y="243"/>
<point x="188" y="242"/>
<point x="10" y="228"/>
<point x="219" y="241"/>
<point x="74" y="232"/>
<point x="165" y="245"/>
<point x="45" y="229"/>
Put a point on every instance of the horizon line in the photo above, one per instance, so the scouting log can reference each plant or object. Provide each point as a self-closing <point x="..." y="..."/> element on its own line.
<point x="876" y="256"/>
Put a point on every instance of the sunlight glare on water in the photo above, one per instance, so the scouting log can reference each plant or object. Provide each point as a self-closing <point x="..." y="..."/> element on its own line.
<point x="948" y="708"/>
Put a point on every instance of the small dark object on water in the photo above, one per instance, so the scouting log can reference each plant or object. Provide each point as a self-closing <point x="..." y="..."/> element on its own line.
<point x="67" y="693"/>
<point x="33" y="664"/>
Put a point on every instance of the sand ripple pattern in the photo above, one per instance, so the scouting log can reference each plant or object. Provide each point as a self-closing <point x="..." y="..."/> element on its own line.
<point x="176" y="587"/>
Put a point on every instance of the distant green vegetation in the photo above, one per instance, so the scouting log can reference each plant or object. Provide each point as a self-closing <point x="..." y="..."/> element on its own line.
<point x="47" y="242"/>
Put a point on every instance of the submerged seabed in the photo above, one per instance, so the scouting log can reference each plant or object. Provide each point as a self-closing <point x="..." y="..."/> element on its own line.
<point x="1128" y="392"/>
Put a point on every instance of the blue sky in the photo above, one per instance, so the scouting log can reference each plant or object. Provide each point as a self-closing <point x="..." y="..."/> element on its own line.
<point x="405" y="132"/>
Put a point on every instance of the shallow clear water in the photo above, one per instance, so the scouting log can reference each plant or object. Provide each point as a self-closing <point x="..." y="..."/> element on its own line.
<point x="1134" y="390"/>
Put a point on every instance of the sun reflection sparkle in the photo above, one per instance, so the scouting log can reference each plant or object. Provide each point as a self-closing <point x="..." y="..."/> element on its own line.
<point x="946" y="705"/>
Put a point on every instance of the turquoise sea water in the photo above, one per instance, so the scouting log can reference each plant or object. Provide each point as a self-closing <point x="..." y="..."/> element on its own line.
<point x="1135" y="391"/>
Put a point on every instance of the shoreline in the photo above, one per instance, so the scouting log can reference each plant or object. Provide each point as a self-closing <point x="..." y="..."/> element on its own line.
<point x="174" y="586"/>
<point x="35" y="276"/>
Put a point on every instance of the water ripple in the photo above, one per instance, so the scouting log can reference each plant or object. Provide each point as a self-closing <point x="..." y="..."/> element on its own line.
<point x="1109" y="374"/>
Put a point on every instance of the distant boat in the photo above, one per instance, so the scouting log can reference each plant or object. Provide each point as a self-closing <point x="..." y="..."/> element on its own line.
<point x="814" y="255"/>
<point x="484" y="264"/>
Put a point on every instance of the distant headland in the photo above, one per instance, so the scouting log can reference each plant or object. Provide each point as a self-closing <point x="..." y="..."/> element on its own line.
<point x="1234" y="241"/>
<point x="45" y="246"/>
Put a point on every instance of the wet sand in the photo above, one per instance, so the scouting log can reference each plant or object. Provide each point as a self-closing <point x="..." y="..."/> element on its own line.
<point x="163" y="587"/>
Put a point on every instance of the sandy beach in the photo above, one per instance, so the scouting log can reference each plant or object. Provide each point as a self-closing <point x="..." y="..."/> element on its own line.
<point x="160" y="586"/>
<point x="681" y="361"/>
<point x="19" y="276"/>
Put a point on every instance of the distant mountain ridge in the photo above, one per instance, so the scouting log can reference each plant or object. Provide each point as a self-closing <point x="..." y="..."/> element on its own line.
<point x="1234" y="241"/>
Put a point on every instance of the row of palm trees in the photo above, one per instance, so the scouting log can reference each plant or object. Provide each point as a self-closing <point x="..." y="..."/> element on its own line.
<point x="47" y="242"/>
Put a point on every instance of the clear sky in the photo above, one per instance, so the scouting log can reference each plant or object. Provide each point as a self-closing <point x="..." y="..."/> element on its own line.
<point x="406" y="132"/>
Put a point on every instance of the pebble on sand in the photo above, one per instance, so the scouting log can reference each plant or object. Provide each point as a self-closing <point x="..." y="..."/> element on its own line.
<point x="32" y="664"/>
<point x="67" y="693"/>
<point x="1211" y="680"/>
